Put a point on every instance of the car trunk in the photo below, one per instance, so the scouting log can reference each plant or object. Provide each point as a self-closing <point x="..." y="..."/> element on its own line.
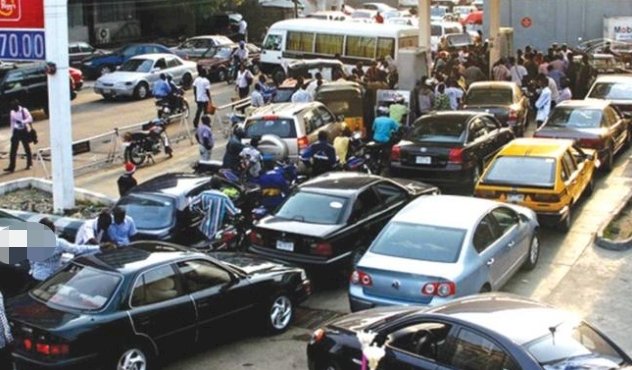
<point x="501" y="112"/>
<point x="427" y="154"/>
<point x="293" y="236"/>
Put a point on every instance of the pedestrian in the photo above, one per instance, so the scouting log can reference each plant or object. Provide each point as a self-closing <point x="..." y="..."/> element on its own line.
<point x="543" y="104"/>
<point x="94" y="231"/>
<point x="6" y="338"/>
<point x="341" y="145"/>
<point x="21" y="125"/>
<point x="518" y="71"/>
<point x="425" y="97"/>
<point x="256" y="98"/>
<point x="161" y="89"/>
<point x="214" y="205"/>
<point x="301" y="95"/>
<point x="266" y="90"/>
<point x="41" y="271"/>
<point x="441" y="101"/>
<point x="378" y="18"/>
<point x="556" y="75"/>
<point x="585" y="75"/>
<point x="204" y="136"/>
<point x="454" y="93"/>
<point x="558" y="63"/>
<point x="531" y="67"/>
<point x="473" y="73"/>
<point x="543" y="67"/>
<point x="202" y="93"/>
<point x="243" y="81"/>
<point x="320" y="154"/>
<point x="127" y="181"/>
<point x="566" y="93"/>
<point x="234" y="146"/>
<point x="242" y="32"/>
<point x="398" y="109"/>
<point x="252" y="158"/>
<point x="123" y="229"/>
<point x="383" y="126"/>
<point x="555" y="92"/>
<point x="312" y="86"/>
<point x="500" y="71"/>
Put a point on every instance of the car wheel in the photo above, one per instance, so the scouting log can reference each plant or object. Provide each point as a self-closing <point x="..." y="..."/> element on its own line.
<point x="566" y="224"/>
<point x="187" y="80"/>
<point x="221" y="75"/>
<point x="609" y="161"/>
<point x="105" y="70"/>
<point x="134" y="358"/>
<point x="534" y="254"/>
<point x="590" y="188"/>
<point x="141" y="91"/>
<point x="279" y="314"/>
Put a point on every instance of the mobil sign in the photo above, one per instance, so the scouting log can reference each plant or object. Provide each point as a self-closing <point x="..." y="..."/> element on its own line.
<point x="22" y="30"/>
<point x="618" y="28"/>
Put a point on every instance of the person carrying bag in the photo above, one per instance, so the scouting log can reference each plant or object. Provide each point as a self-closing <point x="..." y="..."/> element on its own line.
<point x="21" y="132"/>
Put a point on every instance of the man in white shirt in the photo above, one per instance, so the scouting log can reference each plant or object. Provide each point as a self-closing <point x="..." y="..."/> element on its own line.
<point x="93" y="231"/>
<point x="202" y="93"/>
<point x="555" y="93"/>
<point x="311" y="88"/>
<point x="20" y="120"/>
<point x="455" y="94"/>
<point x="518" y="71"/>
<point x="243" y="30"/>
<point x="543" y="104"/>
<point x="301" y="95"/>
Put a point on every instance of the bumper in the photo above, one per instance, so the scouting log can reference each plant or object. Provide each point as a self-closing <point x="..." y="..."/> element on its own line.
<point x="450" y="175"/>
<point x="358" y="301"/>
<point x="78" y="363"/>
<point x="114" y="91"/>
<point x="300" y="259"/>
<point x="552" y="218"/>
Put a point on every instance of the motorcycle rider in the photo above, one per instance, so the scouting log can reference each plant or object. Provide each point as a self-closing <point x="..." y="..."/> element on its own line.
<point x="383" y="128"/>
<point x="274" y="186"/>
<point x="173" y="98"/>
<point x="233" y="150"/>
<point x="251" y="158"/>
<point x="320" y="154"/>
<point x="161" y="89"/>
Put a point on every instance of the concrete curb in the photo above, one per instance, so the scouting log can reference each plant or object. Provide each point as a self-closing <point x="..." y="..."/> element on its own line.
<point x="47" y="186"/>
<point x="603" y="242"/>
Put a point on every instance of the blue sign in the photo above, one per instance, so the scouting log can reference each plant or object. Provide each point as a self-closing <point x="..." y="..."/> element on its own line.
<point x="22" y="45"/>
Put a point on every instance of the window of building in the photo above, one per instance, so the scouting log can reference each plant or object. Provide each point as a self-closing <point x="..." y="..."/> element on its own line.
<point x="115" y="11"/>
<point x="300" y="41"/>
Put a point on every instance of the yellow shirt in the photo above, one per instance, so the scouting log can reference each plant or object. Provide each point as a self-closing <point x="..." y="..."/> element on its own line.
<point x="341" y="145"/>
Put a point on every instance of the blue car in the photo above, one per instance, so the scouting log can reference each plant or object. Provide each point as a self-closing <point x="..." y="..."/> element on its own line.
<point x="443" y="247"/>
<point x="98" y="65"/>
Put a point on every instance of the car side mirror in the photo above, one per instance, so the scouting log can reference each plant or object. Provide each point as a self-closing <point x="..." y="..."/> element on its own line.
<point x="340" y="117"/>
<point x="155" y="70"/>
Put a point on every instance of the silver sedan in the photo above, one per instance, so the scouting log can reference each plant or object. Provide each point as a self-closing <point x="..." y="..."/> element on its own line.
<point x="442" y="247"/>
<point x="136" y="77"/>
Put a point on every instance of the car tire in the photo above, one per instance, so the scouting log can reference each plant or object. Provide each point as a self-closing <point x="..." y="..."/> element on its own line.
<point x="609" y="161"/>
<point x="105" y="69"/>
<point x="534" y="254"/>
<point x="136" y="357"/>
<point x="141" y="91"/>
<point x="565" y="225"/>
<point x="279" y="314"/>
<point x="221" y="75"/>
<point x="187" y="80"/>
<point x="132" y="154"/>
<point x="590" y="188"/>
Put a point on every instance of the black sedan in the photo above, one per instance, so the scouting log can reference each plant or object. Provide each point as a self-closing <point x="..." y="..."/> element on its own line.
<point x="503" y="99"/>
<point x="332" y="219"/>
<point x="449" y="148"/>
<point x="124" y="308"/>
<point x="491" y="331"/>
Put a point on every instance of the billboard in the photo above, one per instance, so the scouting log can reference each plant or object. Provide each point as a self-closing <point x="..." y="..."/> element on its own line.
<point x="22" y="30"/>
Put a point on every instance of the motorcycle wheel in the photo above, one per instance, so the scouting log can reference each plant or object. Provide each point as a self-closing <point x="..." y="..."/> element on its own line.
<point x="135" y="154"/>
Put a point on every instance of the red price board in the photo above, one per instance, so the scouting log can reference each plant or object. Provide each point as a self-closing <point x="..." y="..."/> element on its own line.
<point x="22" y="14"/>
<point x="22" y="30"/>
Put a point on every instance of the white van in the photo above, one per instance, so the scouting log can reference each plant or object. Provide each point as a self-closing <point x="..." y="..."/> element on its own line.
<point x="353" y="42"/>
<point x="438" y="30"/>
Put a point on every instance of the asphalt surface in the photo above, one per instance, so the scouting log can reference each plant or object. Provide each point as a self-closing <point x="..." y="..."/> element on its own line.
<point x="571" y="273"/>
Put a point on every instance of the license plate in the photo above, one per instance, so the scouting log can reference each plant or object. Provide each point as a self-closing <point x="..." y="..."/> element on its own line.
<point x="107" y="91"/>
<point x="285" y="246"/>
<point x="515" y="198"/>
<point x="423" y="160"/>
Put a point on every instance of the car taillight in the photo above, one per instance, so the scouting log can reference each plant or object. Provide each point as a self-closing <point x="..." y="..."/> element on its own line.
<point x="591" y="143"/>
<point x="28" y="344"/>
<point x="52" y="349"/>
<point x="361" y="278"/>
<point x="229" y="235"/>
<point x="549" y="198"/>
<point x="303" y="143"/>
<point x="318" y="336"/>
<point x="489" y="194"/>
<point x="321" y="249"/>
<point x="255" y="238"/>
<point x="439" y="289"/>
<point x="396" y="153"/>
<point x="455" y="156"/>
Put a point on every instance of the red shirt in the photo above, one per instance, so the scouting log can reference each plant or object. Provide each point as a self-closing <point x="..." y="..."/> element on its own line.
<point x="379" y="19"/>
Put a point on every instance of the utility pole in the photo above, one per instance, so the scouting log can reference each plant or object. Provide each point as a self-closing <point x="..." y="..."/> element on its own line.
<point x="56" y="35"/>
<point x="423" y="16"/>
<point x="494" y="31"/>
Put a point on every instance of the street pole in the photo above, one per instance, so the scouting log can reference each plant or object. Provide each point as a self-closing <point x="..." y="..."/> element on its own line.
<point x="56" y="34"/>
<point x="494" y="28"/>
<point x="423" y="14"/>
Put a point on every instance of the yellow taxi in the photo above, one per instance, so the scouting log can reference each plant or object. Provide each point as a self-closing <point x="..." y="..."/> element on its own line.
<point x="547" y="175"/>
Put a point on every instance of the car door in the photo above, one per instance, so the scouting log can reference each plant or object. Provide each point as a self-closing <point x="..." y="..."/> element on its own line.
<point x="517" y="233"/>
<point x="475" y="351"/>
<point x="175" y="68"/>
<point x="617" y="127"/>
<point x="366" y="219"/>
<point x="272" y="49"/>
<point x="492" y="250"/>
<point x="218" y="293"/>
<point x="161" y="309"/>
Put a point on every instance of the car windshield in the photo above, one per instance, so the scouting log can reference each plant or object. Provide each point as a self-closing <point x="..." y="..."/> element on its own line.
<point x="149" y="212"/>
<point x="137" y="65"/>
<point x="313" y="208"/>
<point x="574" y="346"/>
<point x="437" y="12"/>
<point x="522" y="171"/>
<point x="612" y="90"/>
<point x="78" y="287"/>
<point x="361" y="14"/>
<point x="419" y="242"/>
<point x="575" y="118"/>
<point x="439" y="129"/>
<point x="281" y="127"/>
<point x="489" y="97"/>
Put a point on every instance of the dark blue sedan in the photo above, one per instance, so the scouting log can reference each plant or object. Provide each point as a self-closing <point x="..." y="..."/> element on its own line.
<point x="482" y="332"/>
<point x="98" y="65"/>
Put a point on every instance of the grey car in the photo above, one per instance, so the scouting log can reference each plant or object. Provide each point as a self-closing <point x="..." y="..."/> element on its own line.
<point x="443" y="247"/>
<point x="193" y="48"/>
<point x="136" y="77"/>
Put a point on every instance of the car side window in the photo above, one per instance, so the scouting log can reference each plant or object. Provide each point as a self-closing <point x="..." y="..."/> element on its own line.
<point x="505" y="218"/>
<point x="566" y="173"/>
<point x="427" y="340"/>
<point x="132" y="50"/>
<point x="365" y="205"/>
<point x="13" y="81"/>
<point x="475" y="352"/>
<point x="156" y="285"/>
<point x="86" y="48"/>
<point x="173" y="62"/>
<point x="199" y="275"/>
<point x="389" y="193"/>
<point x="313" y="121"/>
<point x="484" y="234"/>
<point x="570" y="163"/>
<point x="325" y="116"/>
<point x="477" y="130"/>
<point x="160" y="64"/>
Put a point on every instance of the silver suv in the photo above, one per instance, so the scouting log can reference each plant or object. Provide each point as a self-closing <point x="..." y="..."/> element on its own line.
<point x="288" y="128"/>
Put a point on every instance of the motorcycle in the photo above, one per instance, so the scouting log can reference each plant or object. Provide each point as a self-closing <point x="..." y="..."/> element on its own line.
<point x="232" y="120"/>
<point x="174" y="105"/>
<point x="234" y="236"/>
<point x="145" y="144"/>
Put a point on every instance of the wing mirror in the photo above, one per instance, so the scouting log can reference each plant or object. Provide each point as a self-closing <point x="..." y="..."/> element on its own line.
<point x="340" y="117"/>
<point x="155" y="70"/>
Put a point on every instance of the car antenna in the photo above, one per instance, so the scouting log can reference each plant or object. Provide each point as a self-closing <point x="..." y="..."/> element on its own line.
<point x="553" y="330"/>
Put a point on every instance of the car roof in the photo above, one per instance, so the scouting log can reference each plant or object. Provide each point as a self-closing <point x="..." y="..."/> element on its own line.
<point x="466" y="114"/>
<point x="137" y="256"/>
<point x="625" y="78"/>
<point x="174" y="183"/>
<point x="314" y="63"/>
<point x="585" y="103"/>
<point x="519" y="319"/>
<point x="536" y="147"/>
<point x="340" y="183"/>
<point x="155" y="56"/>
<point x="282" y="109"/>
<point x="438" y="210"/>
<point x="493" y="85"/>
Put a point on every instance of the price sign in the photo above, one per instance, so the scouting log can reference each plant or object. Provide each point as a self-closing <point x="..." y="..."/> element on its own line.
<point x="22" y="30"/>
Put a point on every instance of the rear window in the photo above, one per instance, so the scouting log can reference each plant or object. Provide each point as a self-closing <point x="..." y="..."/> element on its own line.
<point x="149" y="212"/>
<point x="439" y="129"/>
<point x="77" y="287"/>
<point x="281" y="127"/>
<point x="419" y="242"/>
<point x="522" y="171"/>
<point x="489" y="97"/>
<point x="313" y="208"/>
<point x="576" y="118"/>
<point x="612" y="90"/>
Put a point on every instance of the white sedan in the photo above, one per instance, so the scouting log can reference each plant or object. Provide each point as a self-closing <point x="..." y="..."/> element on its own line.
<point x="136" y="77"/>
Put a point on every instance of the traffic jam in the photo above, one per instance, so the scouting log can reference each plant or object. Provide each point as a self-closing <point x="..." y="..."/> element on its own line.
<point x="331" y="174"/>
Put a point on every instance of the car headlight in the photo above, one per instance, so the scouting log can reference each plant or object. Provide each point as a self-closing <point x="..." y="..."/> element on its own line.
<point x="89" y="63"/>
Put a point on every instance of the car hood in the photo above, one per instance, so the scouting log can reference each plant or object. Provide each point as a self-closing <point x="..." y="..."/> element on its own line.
<point x="362" y="320"/>
<point x="250" y="263"/>
<point x="211" y="61"/>
<point x="569" y="133"/>
<point x="411" y="266"/>
<point x="416" y="187"/>
<point x="120" y="77"/>
<point x="33" y="313"/>
<point x="297" y="227"/>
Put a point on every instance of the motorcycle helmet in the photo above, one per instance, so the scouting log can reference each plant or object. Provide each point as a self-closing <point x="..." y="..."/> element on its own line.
<point x="382" y="111"/>
<point x="239" y="133"/>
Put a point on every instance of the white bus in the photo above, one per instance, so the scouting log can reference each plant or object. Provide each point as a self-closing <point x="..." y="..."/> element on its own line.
<point x="351" y="42"/>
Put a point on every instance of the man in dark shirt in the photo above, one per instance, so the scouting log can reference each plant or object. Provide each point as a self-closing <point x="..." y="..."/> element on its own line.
<point x="233" y="149"/>
<point x="321" y="154"/>
<point x="127" y="181"/>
